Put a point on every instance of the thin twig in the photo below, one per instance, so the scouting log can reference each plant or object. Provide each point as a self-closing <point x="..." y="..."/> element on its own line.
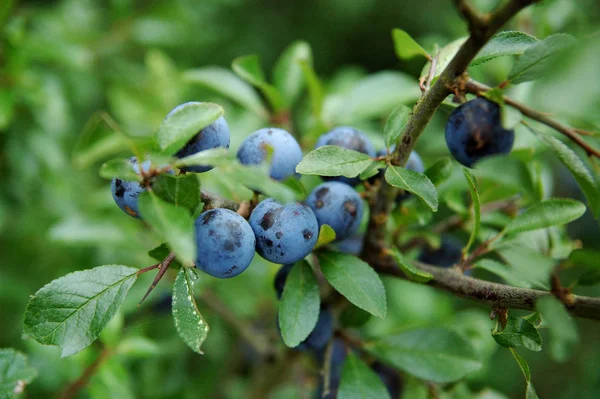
<point x="469" y="14"/>
<point x="162" y="266"/>
<point x="479" y="88"/>
<point x="73" y="389"/>
<point x="494" y="294"/>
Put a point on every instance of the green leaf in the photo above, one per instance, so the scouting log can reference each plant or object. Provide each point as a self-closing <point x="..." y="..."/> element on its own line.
<point x="413" y="273"/>
<point x="518" y="332"/>
<point x="578" y="169"/>
<point x="416" y="183"/>
<point x="500" y="270"/>
<point x="520" y="257"/>
<point x="173" y="224"/>
<point x="288" y="76"/>
<point x="375" y="96"/>
<point x="315" y="90"/>
<point x="300" y="304"/>
<point x="405" y="46"/>
<point x="161" y="252"/>
<point x="183" y="123"/>
<point x="326" y="235"/>
<point x="212" y="157"/>
<point x="332" y="160"/>
<point x="503" y="44"/>
<point x="563" y="329"/>
<point x="395" y="124"/>
<point x="476" y="208"/>
<point x="552" y="212"/>
<point x="182" y="191"/>
<point x="359" y="381"/>
<point x="529" y="390"/>
<point x="355" y="280"/>
<point x="440" y="171"/>
<point x="227" y="84"/>
<point x="257" y="178"/>
<point x="70" y="312"/>
<point x="119" y="168"/>
<point x="190" y="324"/>
<point x="539" y="58"/>
<point x="15" y="373"/>
<point x="352" y="316"/>
<point x="444" y="57"/>
<point x="515" y="175"/>
<point x="434" y="354"/>
<point x="248" y="68"/>
<point x="372" y="170"/>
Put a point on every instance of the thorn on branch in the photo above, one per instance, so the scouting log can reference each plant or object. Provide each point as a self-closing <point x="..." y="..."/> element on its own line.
<point x="162" y="269"/>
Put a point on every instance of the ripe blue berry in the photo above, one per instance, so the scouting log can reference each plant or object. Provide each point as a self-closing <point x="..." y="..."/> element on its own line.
<point x="474" y="131"/>
<point x="284" y="233"/>
<point x="286" y="151"/>
<point x="338" y="205"/>
<point x="321" y="334"/>
<point x="213" y="136"/>
<point x="390" y="377"/>
<point x="352" y="245"/>
<point x="225" y="243"/>
<point x="350" y="138"/>
<point x="447" y="255"/>
<point x="126" y="193"/>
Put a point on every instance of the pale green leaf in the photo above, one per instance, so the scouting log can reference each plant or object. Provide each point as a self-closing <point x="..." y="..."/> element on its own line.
<point x="476" y="208"/>
<point x="326" y="235"/>
<point x="183" y="123"/>
<point x="529" y="390"/>
<point x="227" y="84"/>
<point x="181" y="191"/>
<point x="332" y="160"/>
<point x="288" y="76"/>
<point x="248" y="68"/>
<point x="563" y="329"/>
<point x="434" y="354"/>
<point x="440" y="171"/>
<point x="552" y="212"/>
<point x="359" y="381"/>
<point x="15" y="373"/>
<point x="70" y="312"/>
<point x="539" y="58"/>
<point x="119" y="168"/>
<point x="355" y="280"/>
<point x="405" y="46"/>
<point x="212" y="157"/>
<point x="412" y="272"/>
<point x="171" y="223"/>
<point x="189" y="323"/>
<point x="377" y="95"/>
<point x="578" y="169"/>
<point x="300" y="304"/>
<point x="395" y="124"/>
<point x="503" y="44"/>
<point x="518" y="332"/>
<point x="416" y="183"/>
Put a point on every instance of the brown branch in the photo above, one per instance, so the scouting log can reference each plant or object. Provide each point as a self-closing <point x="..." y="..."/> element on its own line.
<point x="493" y="294"/>
<point x="424" y="111"/>
<point x="73" y="389"/>
<point x="162" y="269"/>
<point x="479" y="89"/>
<point x="212" y="201"/>
<point x="469" y="14"/>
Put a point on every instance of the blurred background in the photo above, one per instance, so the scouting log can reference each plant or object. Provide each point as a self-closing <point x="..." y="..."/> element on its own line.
<point x="62" y="61"/>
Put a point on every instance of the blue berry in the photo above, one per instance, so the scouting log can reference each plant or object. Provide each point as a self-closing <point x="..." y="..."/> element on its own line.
<point x="284" y="233"/>
<point x="338" y="205"/>
<point x="225" y="243"/>
<point x="390" y="377"/>
<point x="474" y="131"/>
<point x="447" y="255"/>
<point x="321" y="334"/>
<point x="126" y="193"/>
<point x="350" y="138"/>
<point x="280" y="279"/>
<point x="286" y="151"/>
<point x="352" y="245"/>
<point x="213" y="136"/>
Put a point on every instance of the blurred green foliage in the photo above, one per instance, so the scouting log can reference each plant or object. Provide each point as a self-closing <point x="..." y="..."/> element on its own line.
<point x="63" y="61"/>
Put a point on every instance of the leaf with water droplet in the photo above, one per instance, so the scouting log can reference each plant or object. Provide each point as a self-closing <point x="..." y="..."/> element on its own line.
<point x="190" y="324"/>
